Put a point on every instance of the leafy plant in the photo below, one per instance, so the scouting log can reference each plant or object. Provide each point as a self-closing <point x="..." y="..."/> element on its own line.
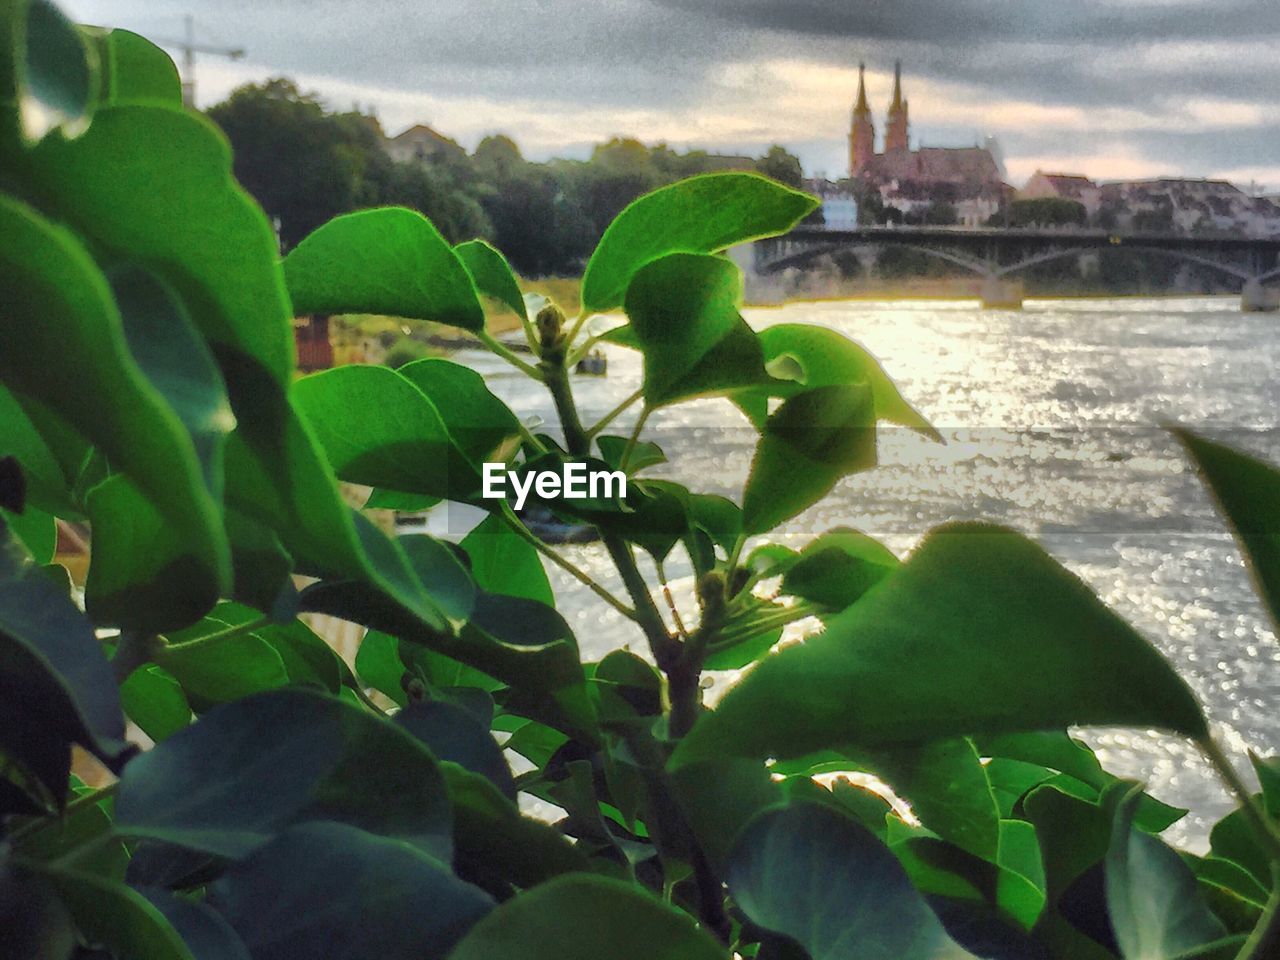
<point x="286" y="810"/>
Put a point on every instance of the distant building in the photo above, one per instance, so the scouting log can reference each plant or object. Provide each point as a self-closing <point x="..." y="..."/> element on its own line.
<point x="422" y="144"/>
<point x="1186" y="205"/>
<point x="969" y="178"/>
<point x="1063" y="186"/>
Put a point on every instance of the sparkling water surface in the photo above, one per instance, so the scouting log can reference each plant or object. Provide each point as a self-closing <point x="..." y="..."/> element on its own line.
<point x="1052" y="418"/>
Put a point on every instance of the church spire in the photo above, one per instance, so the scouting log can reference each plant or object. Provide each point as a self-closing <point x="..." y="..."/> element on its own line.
<point x="897" y="131"/>
<point x="862" y="107"/>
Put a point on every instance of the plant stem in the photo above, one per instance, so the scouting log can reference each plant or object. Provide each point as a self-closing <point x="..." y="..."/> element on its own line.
<point x="613" y="414"/>
<point x="634" y="438"/>
<point x="215" y="638"/>
<point x="577" y="325"/>
<point x="133" y="650"/>
<point x="780" y="618"/>
<point x="1264" y="941"/>
<point x="577" y="573"/>
<point x="1258" y="819"/>
<point x="75" y="806"/>
<point x="735" y="554"/>
<point x="671" y="602"/>
<point x="503" y="351"/>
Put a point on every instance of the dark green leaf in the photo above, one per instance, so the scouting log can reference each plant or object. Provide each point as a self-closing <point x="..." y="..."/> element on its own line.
<point x="587" y="918"/>
<point x="492" y="274"/>
<point x="838" y="567"/>
<point x="118" y="917"/>
<point x="502" y="562"/>
<point x="47" y="486"/>
<point x="981" y="625"/>
<point x="809" y="443"/>
<point x="1233" y="838"/>
<point x="378" y="429"/>
<point x="154" y="700"/>
<point x="206" y="934"/>
<point x="1152" y="896"/>
<point x="47" y="72"/>
<point x="699" y="215"/>
<point x="389" y="261"/>
<point x="643" y="453"/>
<point x="1247" y="491"/>
<point x="454" y="734"/>
<point x="37" y="530"/>
<point x="59" y="302"/>
<point x="684" y="314"/>
<point x="299" y="756"/>
<point x="1268" y="771"/>
<point x="810" y="873"/>
<point x="477" y="421"/>
<point x="380" y="898"/>
<point x="217" y="671"/>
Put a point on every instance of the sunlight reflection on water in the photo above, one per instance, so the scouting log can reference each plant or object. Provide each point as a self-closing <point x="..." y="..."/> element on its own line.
<point x="1052" y="420"/>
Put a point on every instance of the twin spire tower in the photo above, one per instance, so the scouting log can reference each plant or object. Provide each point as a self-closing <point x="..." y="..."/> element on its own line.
<point x="862" y="135"/>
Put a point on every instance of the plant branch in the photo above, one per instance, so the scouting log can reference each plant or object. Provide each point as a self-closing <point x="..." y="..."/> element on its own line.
<point x="72" y="808"/>
<point x="1264" y="941"/>
<point x="1262" y="825"/>
<point x="613" y="414"/>
<point x="577" y="573"/>
<point x="671" y="602"/>
<point x="769" y="621"/>
<point x="634" y="438"/>
<point x="505" y="352"/>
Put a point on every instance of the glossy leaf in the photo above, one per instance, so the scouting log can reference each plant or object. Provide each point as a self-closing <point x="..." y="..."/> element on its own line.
<point x="453" y="734"/>
<point x="136" y="71"/>
<point x="492" y="275"/>
<point x="47" y="72"/>
<point x="826" y="358"/>
<point x="587" y="918"/>
<point x="60" y="305"/>
<point x="45" y="484"/>
<point x="222" y="670"/>
<point x="322" y="759"/>
<point x="118" y="917"/>
<point x="381" y="898"/>
<point x="810" y="873"/>
<point x="1247" y="491"/>
<point x="37" y="530"/>
<point x="838" y="567"/>
<point x="476" y="420"/>
<point x="809" y="443"/>
<point x="154" y="700"/>
<point x="206" y="934"/>
<point x="389" y="261"/>
<point x="378" y="429"/>
<point x="684" y="316"/>
<point x="980" y="624"/>
<point x="1152" y="896"/>
<point x="702" y="214"/>
<point x="502" y="562"/>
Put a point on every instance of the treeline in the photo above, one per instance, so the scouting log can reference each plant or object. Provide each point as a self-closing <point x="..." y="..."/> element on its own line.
<point x="306" y="164"/>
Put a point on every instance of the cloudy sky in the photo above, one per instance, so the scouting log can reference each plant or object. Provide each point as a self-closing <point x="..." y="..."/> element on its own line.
<point x="1111" y="88"/>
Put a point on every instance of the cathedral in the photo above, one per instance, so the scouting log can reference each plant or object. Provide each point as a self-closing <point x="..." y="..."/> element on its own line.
<point x="966" y="171"/>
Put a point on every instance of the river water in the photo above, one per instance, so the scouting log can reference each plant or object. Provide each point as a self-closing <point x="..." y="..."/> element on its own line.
<point x="1051" y="417"/>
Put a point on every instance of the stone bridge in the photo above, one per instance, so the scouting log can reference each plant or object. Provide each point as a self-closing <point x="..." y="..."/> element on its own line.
<point x="997" y="254"/>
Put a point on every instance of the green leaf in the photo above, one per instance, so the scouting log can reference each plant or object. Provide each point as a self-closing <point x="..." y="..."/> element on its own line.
<point x="452" y="733"/>
<point x="476" y="420"/>
<point x="1268" y="772"/>
<point x="1233" y="838"/>
<point x="378" y="665"/>
<point x="684" y="314"/>
<point x="56" y="686"/>
<point x="809" y="443"/>
<point x="838" y="567"/>
<point x="153" y="699"/>
<point x="826" y="358"/>
<point x="120" y="184"/>
<point x="46" y="484"/>
<point x="37" y="530"/>
<point x="493" y="842"/>
<point x="47" y="72"/>
<point x="60" y="305"/>
<point x="206" y="934"/>
<point x="808" y="872"/>
<point x="1152" y="896"/>
<point x="137" y="71"/>
<point x="643" y="453"/>
<point x="1247" y="491"/>
<point x="981" y="625"/>
<point x="260" y="566"/>
<point x="225" y="669"/>
<point x="703" y="214"/>
<point x="86" y="831"/>
<point x="380" y="898"/>
<point x="389" y="261"/>
<point x="587" y="918"/>
<point x="299" y="756"/>
<point x="502" y="562"/>
<point x="118" y="917"/>
<point x="378" y="429"/>
<point x="492" y="275"/>
<point x="144" y="575"/>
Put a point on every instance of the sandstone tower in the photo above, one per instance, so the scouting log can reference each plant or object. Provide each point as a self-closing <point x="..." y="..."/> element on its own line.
<point x="862" y="133"/>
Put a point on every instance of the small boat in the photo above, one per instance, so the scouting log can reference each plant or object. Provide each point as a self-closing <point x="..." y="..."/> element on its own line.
<point x="594" y="364"/>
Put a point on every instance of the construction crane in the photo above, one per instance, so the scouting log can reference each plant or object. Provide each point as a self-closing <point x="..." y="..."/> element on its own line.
<point x="189" y="49"/>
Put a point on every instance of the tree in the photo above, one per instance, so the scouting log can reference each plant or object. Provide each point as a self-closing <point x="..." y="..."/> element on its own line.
<point x="302" y="164"/>
<point x="1047" y="212"/>
<point x="940" y="213"/>
<point x="782" y="166"/>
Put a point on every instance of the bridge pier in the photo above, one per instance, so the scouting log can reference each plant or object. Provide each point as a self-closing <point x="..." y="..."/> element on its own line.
<point x="1257" y="298"/>
<point x="1001" y="294"/>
